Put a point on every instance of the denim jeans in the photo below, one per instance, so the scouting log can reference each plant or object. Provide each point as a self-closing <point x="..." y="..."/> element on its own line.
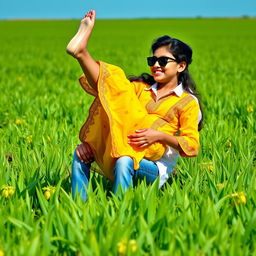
<point x="124" y="174"/>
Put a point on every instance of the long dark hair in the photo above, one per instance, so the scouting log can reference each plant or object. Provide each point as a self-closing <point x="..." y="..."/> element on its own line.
<point x="181" y="52"/>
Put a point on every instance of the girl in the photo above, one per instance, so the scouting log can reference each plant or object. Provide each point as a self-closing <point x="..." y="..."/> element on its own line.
<point x="135" y="129"/>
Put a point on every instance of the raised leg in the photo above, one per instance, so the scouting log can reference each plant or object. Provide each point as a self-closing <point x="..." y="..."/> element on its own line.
<point x="77" y="47"/>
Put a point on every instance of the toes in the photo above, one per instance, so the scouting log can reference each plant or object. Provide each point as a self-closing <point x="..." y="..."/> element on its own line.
<point x="87" y="14"/>
<point x="90" y="14"/>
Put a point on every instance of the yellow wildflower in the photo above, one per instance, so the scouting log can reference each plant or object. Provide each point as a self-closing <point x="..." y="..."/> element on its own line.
<point x="208" y="165"/>
<point x="1" y="252"/>
<point x="239" y="198"/>
<point x="133" y="245"/>
<point x="30" y="139"/>
<point x="122" y="246"/>
<point x="7" y="191"/>
<point x="18" y="121"/>
<point x="250" y="109"/>
<point x="79" y="102"/>
<point x="47" y="195"/>
<point x="20" y="78"/>
<point x="48" y="191"/>
<point x="210" y="168"/>
<point x="11" y="192"/>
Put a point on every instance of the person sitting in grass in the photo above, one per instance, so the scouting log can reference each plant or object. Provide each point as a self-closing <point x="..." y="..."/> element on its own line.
<point x="136" y="128"/>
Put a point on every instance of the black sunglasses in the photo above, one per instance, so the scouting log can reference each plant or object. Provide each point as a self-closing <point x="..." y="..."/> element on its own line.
<point x="161" y="60"/>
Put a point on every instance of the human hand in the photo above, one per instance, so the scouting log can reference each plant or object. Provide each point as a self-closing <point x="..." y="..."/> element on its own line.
<point x="84" y="152"/>
<point x="144" y="137"/>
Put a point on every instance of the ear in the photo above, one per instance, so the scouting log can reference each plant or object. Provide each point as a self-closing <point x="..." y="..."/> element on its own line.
<point x="181" y="66"/>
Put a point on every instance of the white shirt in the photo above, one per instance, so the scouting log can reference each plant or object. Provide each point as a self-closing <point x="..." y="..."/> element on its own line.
<point x="170" y="157"/>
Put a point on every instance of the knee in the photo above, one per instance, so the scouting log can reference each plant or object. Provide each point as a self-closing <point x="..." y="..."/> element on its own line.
<point x="124" y="161"/>
<point x="123" y="166"/>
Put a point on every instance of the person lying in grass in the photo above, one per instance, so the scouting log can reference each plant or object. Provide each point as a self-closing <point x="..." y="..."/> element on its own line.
<point x="136" y="128"/>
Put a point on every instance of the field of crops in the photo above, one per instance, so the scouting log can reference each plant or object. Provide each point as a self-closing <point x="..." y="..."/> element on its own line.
<point x="208" y="208"/>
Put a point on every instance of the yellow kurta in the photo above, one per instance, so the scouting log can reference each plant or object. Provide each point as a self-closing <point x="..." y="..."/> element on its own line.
<point x="121" y="107"/>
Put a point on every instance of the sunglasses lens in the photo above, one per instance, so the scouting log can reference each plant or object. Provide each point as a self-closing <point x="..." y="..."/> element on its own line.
<point x="151" y="60"/>
<point x="163" y="61"/>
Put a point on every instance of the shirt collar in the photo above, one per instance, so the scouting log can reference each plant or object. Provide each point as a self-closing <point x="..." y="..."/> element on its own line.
<point x="178" y="90"/>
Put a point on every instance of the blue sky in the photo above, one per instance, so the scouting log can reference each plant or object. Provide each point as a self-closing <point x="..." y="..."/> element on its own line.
<point x="69" y="9"/>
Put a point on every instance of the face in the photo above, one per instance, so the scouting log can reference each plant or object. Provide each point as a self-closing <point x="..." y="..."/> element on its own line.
<point x="168" y="73"/>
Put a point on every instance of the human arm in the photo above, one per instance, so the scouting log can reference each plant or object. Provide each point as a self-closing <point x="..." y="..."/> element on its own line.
<point x="145" y="137"/>
<point x="187" y="140"/>
<point x="188" y="134"/>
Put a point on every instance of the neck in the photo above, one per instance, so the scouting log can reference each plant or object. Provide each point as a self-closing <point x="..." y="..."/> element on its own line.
<point x="169" y="85"/>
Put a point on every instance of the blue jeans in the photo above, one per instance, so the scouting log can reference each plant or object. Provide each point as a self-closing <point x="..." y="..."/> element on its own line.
<point x="124" y="174"/>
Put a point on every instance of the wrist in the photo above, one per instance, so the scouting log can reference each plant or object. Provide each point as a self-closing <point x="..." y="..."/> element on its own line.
<point x="161" y="137"/>
<point x="169" y="140"/>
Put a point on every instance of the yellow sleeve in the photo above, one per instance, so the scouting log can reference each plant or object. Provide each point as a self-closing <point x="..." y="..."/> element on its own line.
<point x="188" y="132"/>
<point x="139" y="87"/>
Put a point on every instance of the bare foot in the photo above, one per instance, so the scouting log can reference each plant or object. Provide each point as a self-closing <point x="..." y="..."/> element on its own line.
<point x="78" y="43"/>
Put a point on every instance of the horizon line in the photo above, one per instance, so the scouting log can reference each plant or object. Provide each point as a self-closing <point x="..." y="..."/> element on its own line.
<point x="137" y="18"/>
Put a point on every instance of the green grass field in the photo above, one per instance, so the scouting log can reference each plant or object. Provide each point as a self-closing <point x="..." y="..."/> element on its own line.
<point x="208" y="208"/>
